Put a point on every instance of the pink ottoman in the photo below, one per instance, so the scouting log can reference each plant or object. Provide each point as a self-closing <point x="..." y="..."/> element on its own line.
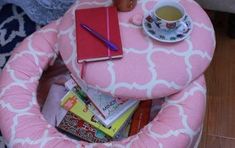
<point x="174" y="71"/>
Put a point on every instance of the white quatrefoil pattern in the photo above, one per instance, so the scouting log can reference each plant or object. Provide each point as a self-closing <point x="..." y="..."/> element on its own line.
<point x="148" y="70"/>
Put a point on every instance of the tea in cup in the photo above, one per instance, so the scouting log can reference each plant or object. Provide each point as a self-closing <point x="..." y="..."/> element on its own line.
<point x="169" y="15"/>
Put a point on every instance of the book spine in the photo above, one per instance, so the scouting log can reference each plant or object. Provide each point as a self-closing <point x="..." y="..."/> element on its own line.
<point x="83" y="130"/>
<point x="141" y="117"/>
<point x="124" y="131"/>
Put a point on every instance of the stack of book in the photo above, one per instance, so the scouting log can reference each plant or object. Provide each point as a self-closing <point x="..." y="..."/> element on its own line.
<point x="99" y="110"/>
<point x="85" y="113"/>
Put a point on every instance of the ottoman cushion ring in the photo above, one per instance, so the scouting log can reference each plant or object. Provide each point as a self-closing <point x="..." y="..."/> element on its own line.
<point x="148" y="70"/>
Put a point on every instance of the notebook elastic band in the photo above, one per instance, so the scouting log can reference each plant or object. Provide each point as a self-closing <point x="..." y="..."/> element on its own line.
<point x="82" y="69"/>
<point x="108" y="30"/>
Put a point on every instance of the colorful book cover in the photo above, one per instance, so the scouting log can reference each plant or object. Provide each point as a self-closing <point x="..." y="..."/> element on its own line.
<point x="67" y="121"/>
<point x="140" y="117"/>
<point x="72" y="86"/>
<point x="107" y="105"/>
<point x="77" y="127"/>
<point x="74" y="104"/>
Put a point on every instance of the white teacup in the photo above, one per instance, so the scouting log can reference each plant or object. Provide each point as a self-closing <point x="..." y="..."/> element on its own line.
<point x="169" y="15"/>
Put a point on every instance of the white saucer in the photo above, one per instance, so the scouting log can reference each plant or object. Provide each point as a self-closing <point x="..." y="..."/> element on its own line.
<point x="166" y="36"/>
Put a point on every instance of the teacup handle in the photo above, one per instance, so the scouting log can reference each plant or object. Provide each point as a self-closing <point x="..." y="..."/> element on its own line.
<point x="153" y="17"/>
<point x="183" y="27"/>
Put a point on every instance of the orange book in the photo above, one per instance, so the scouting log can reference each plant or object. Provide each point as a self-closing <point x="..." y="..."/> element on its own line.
<point x="140" y="117"/>
<point x="104" y="21"/>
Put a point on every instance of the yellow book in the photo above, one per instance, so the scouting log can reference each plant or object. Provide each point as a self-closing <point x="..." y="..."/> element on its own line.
<point x="74" y="104"/>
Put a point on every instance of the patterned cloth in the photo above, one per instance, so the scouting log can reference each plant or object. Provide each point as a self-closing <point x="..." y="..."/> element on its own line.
<point x="42" y="11"/>
<point x="22" y="19"/>
<point x="166" y="68"/>
<point x="15" y="25"/>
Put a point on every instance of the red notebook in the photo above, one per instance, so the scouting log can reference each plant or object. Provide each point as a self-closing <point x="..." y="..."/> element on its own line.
<point x="103" y="20"/>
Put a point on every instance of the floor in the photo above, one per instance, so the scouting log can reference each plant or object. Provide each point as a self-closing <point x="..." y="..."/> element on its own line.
<point x="219" y="124"/>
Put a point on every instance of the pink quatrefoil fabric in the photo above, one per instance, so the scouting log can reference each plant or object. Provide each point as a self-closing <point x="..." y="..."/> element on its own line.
<point x="148" y="70"/>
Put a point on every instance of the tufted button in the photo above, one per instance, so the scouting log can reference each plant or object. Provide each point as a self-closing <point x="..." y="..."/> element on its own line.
<point x="137" y="19"/>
